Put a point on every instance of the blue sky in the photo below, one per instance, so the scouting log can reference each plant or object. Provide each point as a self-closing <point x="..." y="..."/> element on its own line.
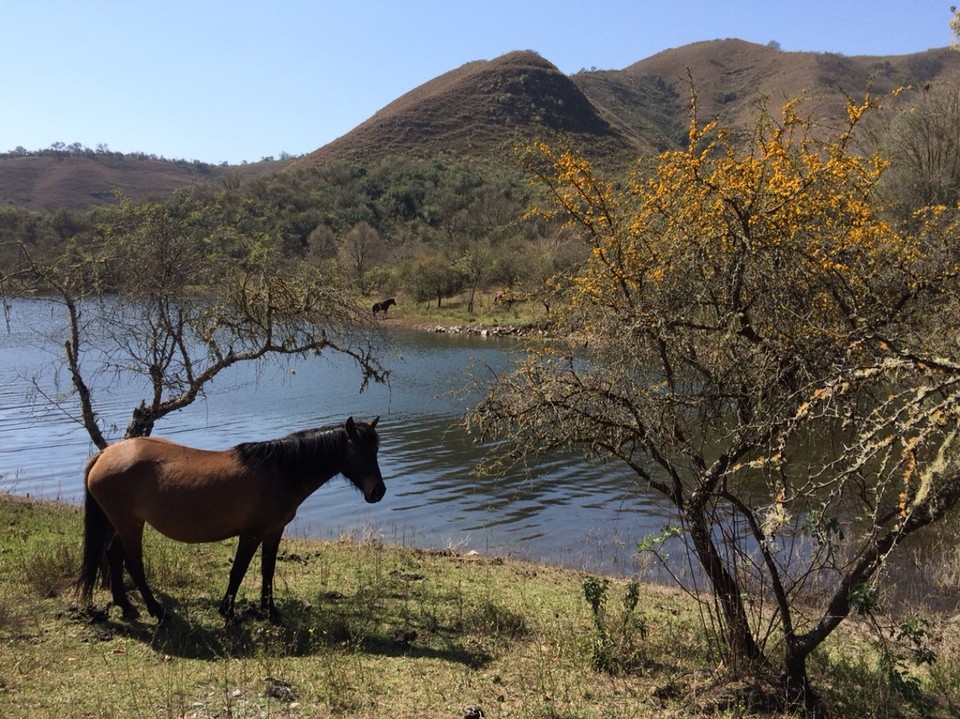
<point x="230" y="81"/>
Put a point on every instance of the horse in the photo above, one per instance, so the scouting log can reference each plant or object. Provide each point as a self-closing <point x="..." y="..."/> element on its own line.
<point x="383" y="306"/>
<point x="251" y="491"/>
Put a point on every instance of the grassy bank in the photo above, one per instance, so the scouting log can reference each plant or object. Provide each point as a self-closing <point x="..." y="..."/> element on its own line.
<point x="370" y="631"/>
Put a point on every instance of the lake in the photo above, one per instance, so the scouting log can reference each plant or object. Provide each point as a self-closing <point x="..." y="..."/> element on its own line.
<point x="564" y="510"/>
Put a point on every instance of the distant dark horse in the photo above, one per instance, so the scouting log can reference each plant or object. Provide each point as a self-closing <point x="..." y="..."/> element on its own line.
<point x="383" y="306"/>
<point x="194" y="495"/>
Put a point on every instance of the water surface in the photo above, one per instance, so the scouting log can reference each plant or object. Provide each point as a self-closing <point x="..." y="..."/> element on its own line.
<point x="564" y="510"/>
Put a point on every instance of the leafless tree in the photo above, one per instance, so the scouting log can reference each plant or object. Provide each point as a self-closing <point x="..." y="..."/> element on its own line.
<point x="166" y="294"/>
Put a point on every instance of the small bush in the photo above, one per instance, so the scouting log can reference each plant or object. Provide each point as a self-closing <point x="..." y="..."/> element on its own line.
<point x="615" y="645"/>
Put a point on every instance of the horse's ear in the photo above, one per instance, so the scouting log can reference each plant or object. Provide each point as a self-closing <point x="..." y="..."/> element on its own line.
<point x="373" y="422"/>
<point x="351" y="427"/>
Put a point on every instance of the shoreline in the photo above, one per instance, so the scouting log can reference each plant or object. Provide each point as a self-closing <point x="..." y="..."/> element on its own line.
<point x="480" y="330"/>
<point x="479" y="327"/>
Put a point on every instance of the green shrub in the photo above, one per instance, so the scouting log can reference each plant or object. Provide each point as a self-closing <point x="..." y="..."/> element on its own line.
<point x="616" y="642"/>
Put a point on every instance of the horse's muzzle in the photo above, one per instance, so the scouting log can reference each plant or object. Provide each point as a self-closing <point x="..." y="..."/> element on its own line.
<point x="376" y="494"/>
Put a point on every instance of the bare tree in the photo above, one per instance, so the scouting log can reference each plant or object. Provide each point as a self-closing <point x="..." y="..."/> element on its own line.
<point x="754" y="341"/>
<point x="921" y="142"/>
<point x="165" y="293"/>
<point x="361" y="248"/>
<point x="955" y="27"/>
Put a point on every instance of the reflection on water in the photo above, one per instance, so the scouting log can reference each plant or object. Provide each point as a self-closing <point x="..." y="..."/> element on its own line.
<point x="562" y="510"/>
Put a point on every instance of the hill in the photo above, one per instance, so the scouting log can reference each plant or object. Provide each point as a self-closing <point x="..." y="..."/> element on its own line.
<point x="732" y="76"/>
<point x="482" y="109"/>
<point x="76" y="180"/>
<point x="485" y="108"/>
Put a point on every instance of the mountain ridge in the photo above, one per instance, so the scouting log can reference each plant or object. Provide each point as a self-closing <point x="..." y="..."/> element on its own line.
<point x="486" y="108"/>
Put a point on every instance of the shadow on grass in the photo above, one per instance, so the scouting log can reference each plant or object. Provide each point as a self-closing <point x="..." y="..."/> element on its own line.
<point x="195" y="630"/>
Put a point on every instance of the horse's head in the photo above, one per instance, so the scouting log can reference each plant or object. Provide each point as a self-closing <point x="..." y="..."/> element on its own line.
<point x="360" y="461"/>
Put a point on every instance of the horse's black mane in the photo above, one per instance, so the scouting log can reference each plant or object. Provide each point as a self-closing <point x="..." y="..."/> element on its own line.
<point x="310" y="450"/>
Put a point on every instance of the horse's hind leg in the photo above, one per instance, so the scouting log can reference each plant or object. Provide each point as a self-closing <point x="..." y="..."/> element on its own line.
<point x="115" y="562"/>
<point x="246" y="548"/>
<point x="132" y="541"/>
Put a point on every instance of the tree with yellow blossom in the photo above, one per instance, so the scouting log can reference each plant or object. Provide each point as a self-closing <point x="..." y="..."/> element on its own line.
<point x="753" y="339"/>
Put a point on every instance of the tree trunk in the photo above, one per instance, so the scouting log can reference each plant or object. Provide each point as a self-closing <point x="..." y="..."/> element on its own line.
<point x="72" y="350"/>
<point x="740" y="643"/>
<point x="796" y="684"/>
<point x="141" y="423"/>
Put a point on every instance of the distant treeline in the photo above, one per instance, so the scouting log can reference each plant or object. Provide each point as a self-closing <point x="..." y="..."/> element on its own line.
<point x="77" y="149"/>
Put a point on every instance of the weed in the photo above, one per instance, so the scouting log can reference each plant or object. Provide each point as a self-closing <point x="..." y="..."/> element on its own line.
<point x="615" y="646"/>
<point x="909" y="650"/>
<point x="494" y="620"/>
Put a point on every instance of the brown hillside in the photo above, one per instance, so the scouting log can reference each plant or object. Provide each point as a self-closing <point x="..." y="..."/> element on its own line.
<point x="71" y="180"/>
<point x="483" y="108"/>
<point x="646" y="107"/>
<point x="731" y="76"/>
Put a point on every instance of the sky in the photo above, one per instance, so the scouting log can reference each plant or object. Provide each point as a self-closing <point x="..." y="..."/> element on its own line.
<point x="238" y="80"/>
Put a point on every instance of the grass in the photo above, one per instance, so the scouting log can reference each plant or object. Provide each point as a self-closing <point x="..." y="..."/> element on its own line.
<point x="453" y="312"/>
<point x="369" y="630"/>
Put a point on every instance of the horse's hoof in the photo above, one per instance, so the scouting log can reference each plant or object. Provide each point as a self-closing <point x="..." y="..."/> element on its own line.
<point x="158" y="612"/>
<point x="130" y="613"/>
<point x="226" y="608"/>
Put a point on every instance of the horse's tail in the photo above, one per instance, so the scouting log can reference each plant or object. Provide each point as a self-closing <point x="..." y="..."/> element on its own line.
<point x="97" y="534"/>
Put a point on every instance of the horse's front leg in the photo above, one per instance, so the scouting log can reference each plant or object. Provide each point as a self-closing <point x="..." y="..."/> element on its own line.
<point x="268" y="565"/>
<point x="246" y="548"/>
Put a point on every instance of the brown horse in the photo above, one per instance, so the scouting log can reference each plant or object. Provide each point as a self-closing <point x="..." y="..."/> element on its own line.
<point x="193" y="495"/>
